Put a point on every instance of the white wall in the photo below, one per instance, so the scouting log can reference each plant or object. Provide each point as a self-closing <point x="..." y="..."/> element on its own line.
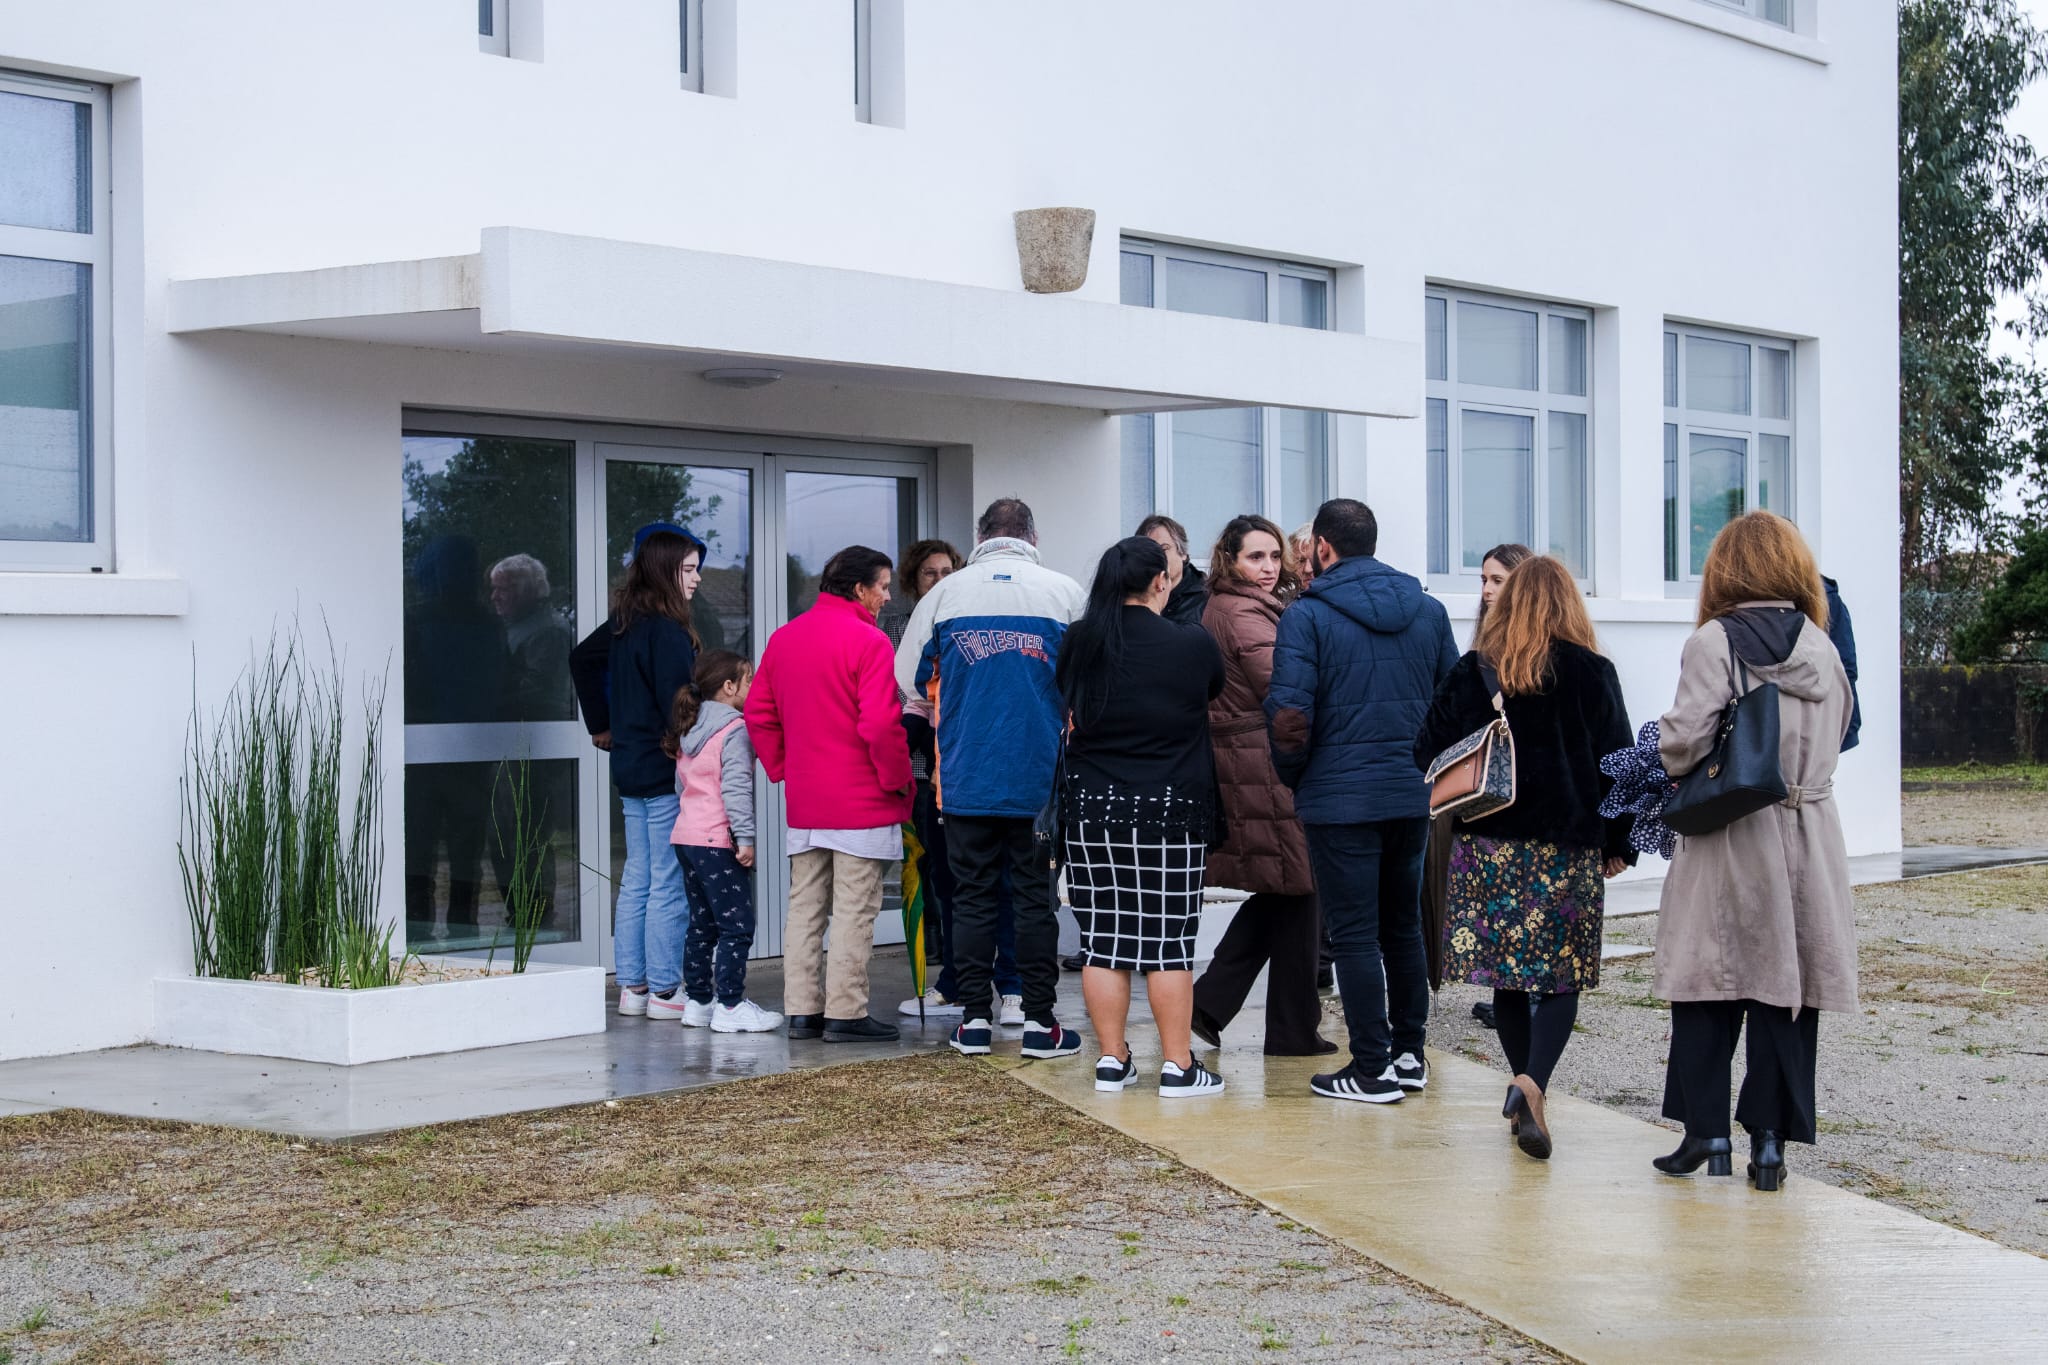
<point x="1585" y="150"/>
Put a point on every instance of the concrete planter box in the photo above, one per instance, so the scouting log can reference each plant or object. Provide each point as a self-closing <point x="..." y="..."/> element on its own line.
<point x="313" y="1024"/>
<point x="1053" y="247"/>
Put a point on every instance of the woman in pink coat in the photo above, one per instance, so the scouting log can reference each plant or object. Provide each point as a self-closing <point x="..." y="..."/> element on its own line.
<point x="826" y="721"/>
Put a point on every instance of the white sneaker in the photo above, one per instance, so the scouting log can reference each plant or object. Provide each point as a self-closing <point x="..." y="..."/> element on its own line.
<point x="632" y="1003"/>
<point x="933" y="1002"/>
<point x="694" y="1014"/>
<point x="677" y="1006"/>
<point x="745" y="1017"/>
<point x="1011" y="1013"/>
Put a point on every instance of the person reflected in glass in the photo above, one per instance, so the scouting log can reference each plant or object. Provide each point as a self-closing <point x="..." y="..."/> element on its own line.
<point x="454" y="672"/>
<point x="537" y="640"/>
<point x="1265" y="853"/>
<point x="653" y="655"/>
<point x="1139" y="809"/>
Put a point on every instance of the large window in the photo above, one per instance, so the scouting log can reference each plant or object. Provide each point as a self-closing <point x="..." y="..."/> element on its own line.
<point x="1509" y="429"/>
<point x="1204" y="468"/>
<point x="55" y="493"/>
<point x="494" y="27"/>
<point x="1777" y="12"/>
<point x="1728" y="442"/>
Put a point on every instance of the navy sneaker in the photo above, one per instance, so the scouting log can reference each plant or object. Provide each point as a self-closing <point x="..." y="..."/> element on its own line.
<point x="1355" y="1083"/>
<point x="1410" y="1072"/>
<point x="1048" y="1039"/>
<point x="1197" y="1080"/>
<point x="1111" y="1074"/>
<point x="972" y="1037"/>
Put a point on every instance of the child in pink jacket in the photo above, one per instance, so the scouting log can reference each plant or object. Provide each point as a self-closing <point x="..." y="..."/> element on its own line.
<point x="714" y="842"/>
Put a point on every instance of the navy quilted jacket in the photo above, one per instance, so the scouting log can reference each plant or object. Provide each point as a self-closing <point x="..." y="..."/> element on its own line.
<point x="1357" y="661"/>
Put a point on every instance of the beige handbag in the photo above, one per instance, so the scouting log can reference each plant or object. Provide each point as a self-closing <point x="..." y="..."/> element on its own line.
<point x="1476" y="776"/>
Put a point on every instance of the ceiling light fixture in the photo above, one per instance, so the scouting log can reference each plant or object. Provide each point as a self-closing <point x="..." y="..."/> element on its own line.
<point x="743" y="379"/>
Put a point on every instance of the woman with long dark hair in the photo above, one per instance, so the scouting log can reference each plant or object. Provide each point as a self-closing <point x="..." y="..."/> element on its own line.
<point x="1756" y="926"/>
<point x="1140" y="808"/>
<point x="1525" y="890"/>
<point x="1251" y="580"/>
<point x="653" y="654"/>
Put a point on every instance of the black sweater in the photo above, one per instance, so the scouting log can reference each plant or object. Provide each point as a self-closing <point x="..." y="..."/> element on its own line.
<point x="649" y="664"/>
<point x="1561" y="734"/>
<point x="1154" y="730"/>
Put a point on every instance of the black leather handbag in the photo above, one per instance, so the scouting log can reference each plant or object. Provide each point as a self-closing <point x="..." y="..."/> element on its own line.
<point x="1740" y="774"/>
<point x="1048" y="827"/>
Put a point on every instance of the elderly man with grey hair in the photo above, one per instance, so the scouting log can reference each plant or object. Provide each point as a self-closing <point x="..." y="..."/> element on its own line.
<point x="536" y="641"/>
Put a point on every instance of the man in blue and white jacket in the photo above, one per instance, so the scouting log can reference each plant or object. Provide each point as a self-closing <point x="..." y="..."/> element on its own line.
<point x="981" y="647"/>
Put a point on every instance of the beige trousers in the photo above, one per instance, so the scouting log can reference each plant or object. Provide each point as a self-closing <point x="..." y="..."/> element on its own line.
<point x="829" y="887"/>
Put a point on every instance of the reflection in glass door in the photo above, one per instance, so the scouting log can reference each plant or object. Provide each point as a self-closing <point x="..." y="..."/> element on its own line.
<point x="489" y="546"/>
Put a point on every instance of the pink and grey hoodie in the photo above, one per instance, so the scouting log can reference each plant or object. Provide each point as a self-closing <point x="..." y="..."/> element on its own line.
<point x="715" y="779"/>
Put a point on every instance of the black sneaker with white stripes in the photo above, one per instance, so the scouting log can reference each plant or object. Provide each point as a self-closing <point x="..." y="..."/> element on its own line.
<point x="1410" y="1071"/>
<point x="1111" y="1074"/>
<point x="1176" y="1084"/>
<point x="1355" y="1083"/>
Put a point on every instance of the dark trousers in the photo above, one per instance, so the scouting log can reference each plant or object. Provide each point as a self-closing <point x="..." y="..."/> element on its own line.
<point x="1277" y="929"/>
<point x="941" y="890"/>
<point x="1777" y="1087"/>
<point x="1369" y="881"/>
<point x="981" y="849"/>
<point x="721" y="931"/>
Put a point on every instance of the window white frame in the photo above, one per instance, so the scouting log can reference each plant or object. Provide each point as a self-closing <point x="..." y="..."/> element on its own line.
<point x="1759" y="10"/>
<point x="93" y="249"/>
<point x="1271" y="470"/>
<point x="690" y="45"/>
<point x="494" y="27"/>
<point x="1682" y="422"/>
<point x="864" y="61"/>
<point x="1446" y="503"/>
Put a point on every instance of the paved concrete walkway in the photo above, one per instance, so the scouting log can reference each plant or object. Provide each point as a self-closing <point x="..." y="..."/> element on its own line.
<point x="1593" y="1252"/>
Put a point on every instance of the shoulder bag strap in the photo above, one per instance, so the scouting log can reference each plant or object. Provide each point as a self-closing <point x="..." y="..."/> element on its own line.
<point x="1738" y="670"/>
<point x="1490" y="680"/>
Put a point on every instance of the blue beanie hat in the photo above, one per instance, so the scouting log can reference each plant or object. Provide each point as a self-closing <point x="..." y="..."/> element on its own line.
<point x="653" y="528"/>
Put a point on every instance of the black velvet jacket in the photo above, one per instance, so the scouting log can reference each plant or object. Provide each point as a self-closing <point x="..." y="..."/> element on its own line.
<point x="1561" y="734"/>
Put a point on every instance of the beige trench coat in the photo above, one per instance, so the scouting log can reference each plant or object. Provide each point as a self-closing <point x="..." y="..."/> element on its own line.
<point x="1761" y="910"/>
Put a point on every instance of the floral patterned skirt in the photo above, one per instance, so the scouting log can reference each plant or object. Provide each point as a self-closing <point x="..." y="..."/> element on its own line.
<point x="1523" y="915"/>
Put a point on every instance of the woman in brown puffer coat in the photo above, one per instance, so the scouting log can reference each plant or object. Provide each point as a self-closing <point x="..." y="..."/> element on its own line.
<point x="1251" y="580"/>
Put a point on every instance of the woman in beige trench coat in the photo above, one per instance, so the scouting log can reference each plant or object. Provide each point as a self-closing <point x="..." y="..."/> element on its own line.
<point x="1756" y="922"/>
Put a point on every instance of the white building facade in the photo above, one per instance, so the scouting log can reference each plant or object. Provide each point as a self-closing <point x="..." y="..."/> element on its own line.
<point x="372" y="316"/>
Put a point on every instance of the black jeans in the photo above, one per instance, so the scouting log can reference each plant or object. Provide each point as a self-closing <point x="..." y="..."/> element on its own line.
<point x="1282" y="930"/>
<point x="1777" y="1087"/>
<point x="980" y="849"/>
<point x="1369" y="881"/>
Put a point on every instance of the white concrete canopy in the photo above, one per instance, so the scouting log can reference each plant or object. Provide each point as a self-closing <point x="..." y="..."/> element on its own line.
<point x="526" y="290"/>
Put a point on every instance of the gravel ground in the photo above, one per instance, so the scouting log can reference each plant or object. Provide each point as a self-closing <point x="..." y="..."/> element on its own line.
<point x="922" y="1208"/>
<point x="1934" y="1099"/>
<point x="2009" y="814"/>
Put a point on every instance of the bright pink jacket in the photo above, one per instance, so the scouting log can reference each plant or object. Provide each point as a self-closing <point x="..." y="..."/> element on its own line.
<point x="826" y="721"/>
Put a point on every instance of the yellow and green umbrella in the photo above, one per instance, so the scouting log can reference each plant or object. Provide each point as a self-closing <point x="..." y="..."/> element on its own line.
<point x="913" y="913"/>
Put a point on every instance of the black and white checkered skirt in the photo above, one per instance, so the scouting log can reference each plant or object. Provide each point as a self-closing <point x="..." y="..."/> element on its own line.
<point x="1136" y="893"/>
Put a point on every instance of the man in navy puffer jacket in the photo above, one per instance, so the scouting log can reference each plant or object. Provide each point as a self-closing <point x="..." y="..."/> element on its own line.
<point x="1357" y="660"/>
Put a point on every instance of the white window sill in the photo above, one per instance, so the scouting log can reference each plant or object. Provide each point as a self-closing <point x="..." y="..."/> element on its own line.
<point x="1738" y="26"/>
<point x="1653" y="610"/>
<point x="92" y="594"/>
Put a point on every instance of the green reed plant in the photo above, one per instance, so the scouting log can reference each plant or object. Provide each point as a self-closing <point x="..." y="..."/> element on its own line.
<point x="524" y="849"/>
<point x="281" y="873"/>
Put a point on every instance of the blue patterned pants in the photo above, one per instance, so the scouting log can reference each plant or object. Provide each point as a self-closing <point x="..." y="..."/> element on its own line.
<point x="722" y="928"/>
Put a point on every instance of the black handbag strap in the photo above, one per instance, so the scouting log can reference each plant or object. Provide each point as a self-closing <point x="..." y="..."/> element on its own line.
<point x="1490" y="680"/>
<point x="1737" y="669"/>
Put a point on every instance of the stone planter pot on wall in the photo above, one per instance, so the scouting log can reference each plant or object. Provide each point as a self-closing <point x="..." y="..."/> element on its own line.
<point x="1053" y="247"/>
<point x="313" y="1024"/>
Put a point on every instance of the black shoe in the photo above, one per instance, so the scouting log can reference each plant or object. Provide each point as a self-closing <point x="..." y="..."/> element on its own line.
<point x="1205" y="1028"/>
<point x="1355" y="1083"/>
<point x="1320" y="1047"/>
<point x="1766" y="1161"/>
<point x="1715" y="1153"/>
<point x="1482" y="1010"/>
<point x="1074" y="963"/>
<point x="865" y="1029"/>
<point x="1111" y="1074"/>
<point x="1196" y="1081"/>
<point x="806" y="1025"/>
<point x="1411" y="1072"/>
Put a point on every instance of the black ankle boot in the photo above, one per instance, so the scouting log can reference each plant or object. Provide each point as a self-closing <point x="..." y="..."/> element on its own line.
<point x="1716" y="1154"/>
<point x="1766" y="1160"/>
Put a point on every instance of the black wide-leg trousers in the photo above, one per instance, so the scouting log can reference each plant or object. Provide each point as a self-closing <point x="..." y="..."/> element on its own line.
<point x="1269" y="927"/>
<point x="1777" y="1087"/>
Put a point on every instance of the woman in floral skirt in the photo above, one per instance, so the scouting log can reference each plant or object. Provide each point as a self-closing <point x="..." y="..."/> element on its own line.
<point x="1526" y="888"/>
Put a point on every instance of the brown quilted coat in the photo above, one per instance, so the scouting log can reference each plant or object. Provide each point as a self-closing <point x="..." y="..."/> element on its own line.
<point x="1266" y="850"/>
